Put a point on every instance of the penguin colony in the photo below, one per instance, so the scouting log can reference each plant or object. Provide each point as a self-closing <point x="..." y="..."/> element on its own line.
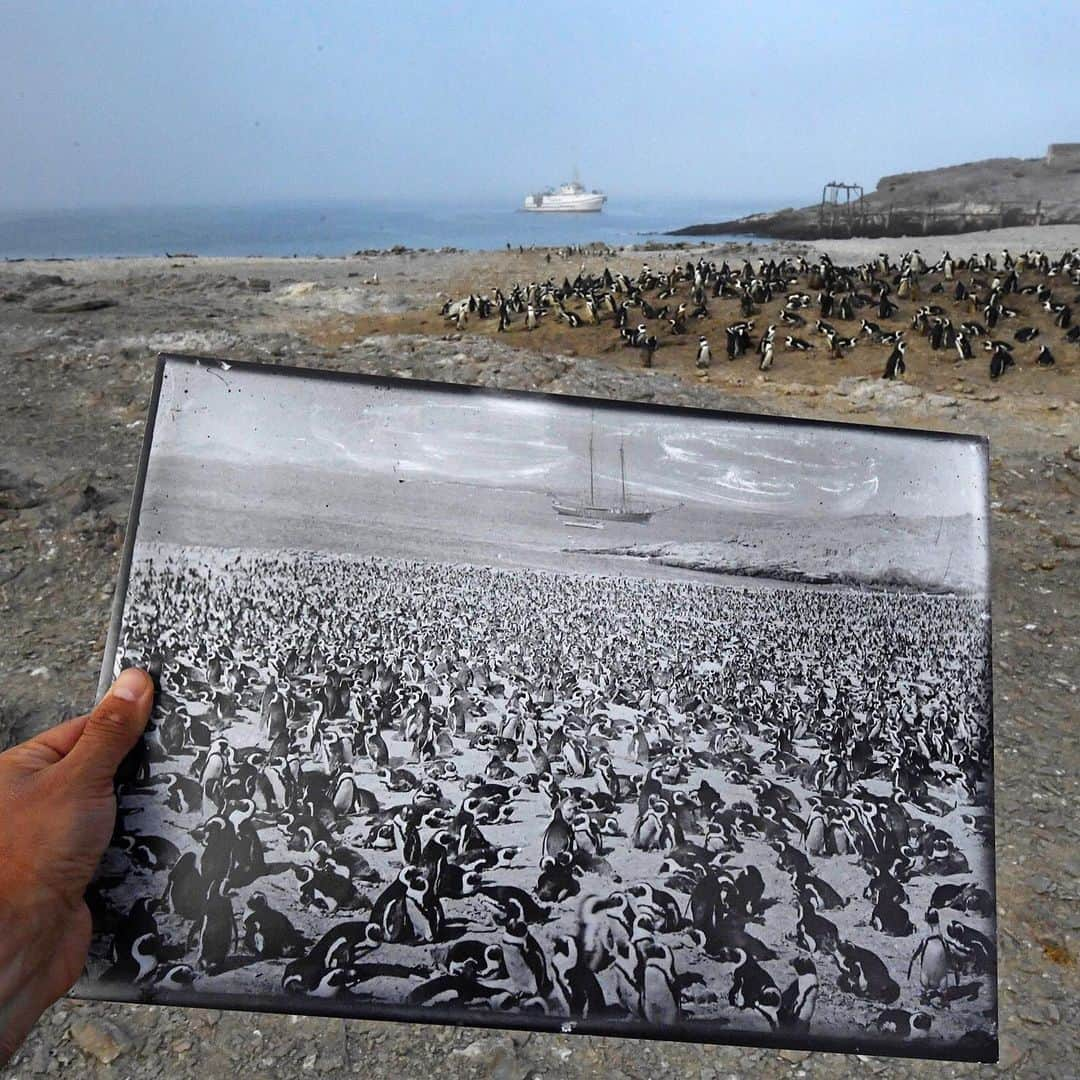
<point x="1007" y="310"/>
<point x="730" y="811"/>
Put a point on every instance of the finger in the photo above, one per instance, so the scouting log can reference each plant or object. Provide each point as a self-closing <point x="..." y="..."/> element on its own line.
<point x="59" y="740"/>
<point x="114" y="726"/>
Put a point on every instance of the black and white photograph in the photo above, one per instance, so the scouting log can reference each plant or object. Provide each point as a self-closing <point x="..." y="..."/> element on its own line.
<point x="508" y="709"/>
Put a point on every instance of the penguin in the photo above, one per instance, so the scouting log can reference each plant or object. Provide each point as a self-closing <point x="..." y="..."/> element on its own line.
<point x="895" y="366"/>
<point x="326" y="891"/>
<point x="798" y="1001"/>
<point x="1045" y="357"/>
<point x="890" y="917"/>
<point x="813" y="932"/>
<point x="524" y="959"/>
<point x="934" y="958"/>
<point x="753" y="988"/>
<point x="268" y="933"/>
<point x="513" y="903"/>
<point x="818" y="892"/>
<point x="766" y="357"/>
<point x="185" y="890"/>
<point x="1000" y="361"/>
<point x="863" y="974"/>
<point x="337" y="950"/>
<point x="530" y="318"/>
<point x="216" y="931"/>
<point x="573" y="990"/>
<point x="558" y="836"/>
<point x="135" y="945"/>
<point x="661" y="1002"/>
<point x="704" y="356"/>
<point x="475" y="960"/>
<point x="901" y="1023"/>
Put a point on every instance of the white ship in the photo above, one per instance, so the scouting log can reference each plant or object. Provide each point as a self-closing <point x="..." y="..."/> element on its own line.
<point x="567" y="198"/>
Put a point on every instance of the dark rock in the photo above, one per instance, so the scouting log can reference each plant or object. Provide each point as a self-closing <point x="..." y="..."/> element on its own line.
<point x="68" y="307"/>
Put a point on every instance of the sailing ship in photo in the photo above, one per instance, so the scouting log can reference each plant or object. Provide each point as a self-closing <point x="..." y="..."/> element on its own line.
<point x="570" y="197"/>
<point x="592" y="514"/>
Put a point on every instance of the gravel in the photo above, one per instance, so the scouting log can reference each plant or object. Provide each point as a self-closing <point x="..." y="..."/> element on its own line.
<point x="71" y="423"/>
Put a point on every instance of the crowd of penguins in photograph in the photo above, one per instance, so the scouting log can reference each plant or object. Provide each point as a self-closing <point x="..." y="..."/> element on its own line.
<point x="988" y="304"/>
<point x="689" y="808"/>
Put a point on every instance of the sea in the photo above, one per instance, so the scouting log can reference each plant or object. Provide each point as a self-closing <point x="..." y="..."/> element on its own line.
<point x="341" y="228"/>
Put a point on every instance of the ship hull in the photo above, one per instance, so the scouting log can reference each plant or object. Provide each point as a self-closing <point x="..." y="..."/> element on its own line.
<point x="603" y="513"/>
<point x="556" y="204"/>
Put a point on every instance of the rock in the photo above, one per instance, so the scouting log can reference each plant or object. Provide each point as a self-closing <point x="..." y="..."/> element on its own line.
<point x="101" y="1039"/>
<point x="793" y="1055"/>
<point x="941" y="401"/>
<point x="1009" y="1053"/>
<point x="258" y="284"/>
<point x="67" y="307"/>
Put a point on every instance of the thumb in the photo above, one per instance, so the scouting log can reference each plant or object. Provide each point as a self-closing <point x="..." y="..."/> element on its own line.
<point x="114" y="727"/>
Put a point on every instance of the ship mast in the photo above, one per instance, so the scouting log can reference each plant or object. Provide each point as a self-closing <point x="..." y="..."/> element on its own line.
<point x="622" y="472"/>
<point x="592" y="482"/>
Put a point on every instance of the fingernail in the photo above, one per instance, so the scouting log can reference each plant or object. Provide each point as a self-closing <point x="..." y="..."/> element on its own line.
<point x="129" y="685"/>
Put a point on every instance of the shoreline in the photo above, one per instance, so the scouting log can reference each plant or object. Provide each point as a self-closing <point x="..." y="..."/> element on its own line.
<point x="1052" y="239"/>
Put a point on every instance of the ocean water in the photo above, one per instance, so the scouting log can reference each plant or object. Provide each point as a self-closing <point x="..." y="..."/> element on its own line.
<point x="340" y="228"/>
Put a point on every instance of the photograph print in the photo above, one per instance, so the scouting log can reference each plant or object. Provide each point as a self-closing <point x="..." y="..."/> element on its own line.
<point x="517" y="710"/>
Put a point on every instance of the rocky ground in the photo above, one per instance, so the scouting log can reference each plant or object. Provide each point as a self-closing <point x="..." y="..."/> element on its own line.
<point x="76" y="379"/>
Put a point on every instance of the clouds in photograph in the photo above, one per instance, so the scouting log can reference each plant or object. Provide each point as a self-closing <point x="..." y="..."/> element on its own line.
<point x="541" y="444"/>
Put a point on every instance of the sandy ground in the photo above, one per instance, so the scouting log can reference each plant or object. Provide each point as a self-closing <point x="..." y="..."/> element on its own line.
<point x="76" y="386"/>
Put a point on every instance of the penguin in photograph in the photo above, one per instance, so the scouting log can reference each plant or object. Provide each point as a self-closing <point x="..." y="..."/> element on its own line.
<point x="216" y="931"/>
<point x="864" y="974"/>
<point x="148" y="852"/>
<point x="558" y="878"/>
<point x="901" y="1023"/>
<point x="816" y="891"/>
<point x="524" y="958"/>
<point x="530" y="318"/>
<point x="326" y="891"/>
<point x="512" y="903"/>
<point x="339" y="949"/>
<point x="661" y="996"/>
<point x="172" y="979"/>
<point x="973" y="951"/>
<point x="752" y="987"/>
<point x="935" y="960"/>
<point x="268" y="933"/>
<point x="798" y="1001"/>
<point x="218" y="855"/>
<point x="474" y="960"/>
<point x="185" y="889"/>
<point x="136" y="944"/>
<point x="573" y="989"/>
<point x="798" y="344"/>
<point x="813" y="932"/>
<point x="558" y="836"/>
<point x="890" y="917"/>
<point x="1045" y="357"/>
<point x="895" y="366"/>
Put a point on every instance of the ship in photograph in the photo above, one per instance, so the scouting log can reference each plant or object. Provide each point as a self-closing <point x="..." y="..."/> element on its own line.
<point x="416" y="755"/>
<point x="568" y="198"/>
<point x="591" y="511"/>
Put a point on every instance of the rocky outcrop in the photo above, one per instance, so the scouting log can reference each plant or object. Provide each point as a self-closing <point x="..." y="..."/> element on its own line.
<point x="995" y="193"/>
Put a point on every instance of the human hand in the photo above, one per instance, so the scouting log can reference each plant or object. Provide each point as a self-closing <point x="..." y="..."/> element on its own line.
<point x="57" y="811"/>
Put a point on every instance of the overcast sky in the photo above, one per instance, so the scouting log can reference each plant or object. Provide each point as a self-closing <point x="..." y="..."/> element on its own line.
<point x="148" y="103"/>
<point x="532" y="444"/>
